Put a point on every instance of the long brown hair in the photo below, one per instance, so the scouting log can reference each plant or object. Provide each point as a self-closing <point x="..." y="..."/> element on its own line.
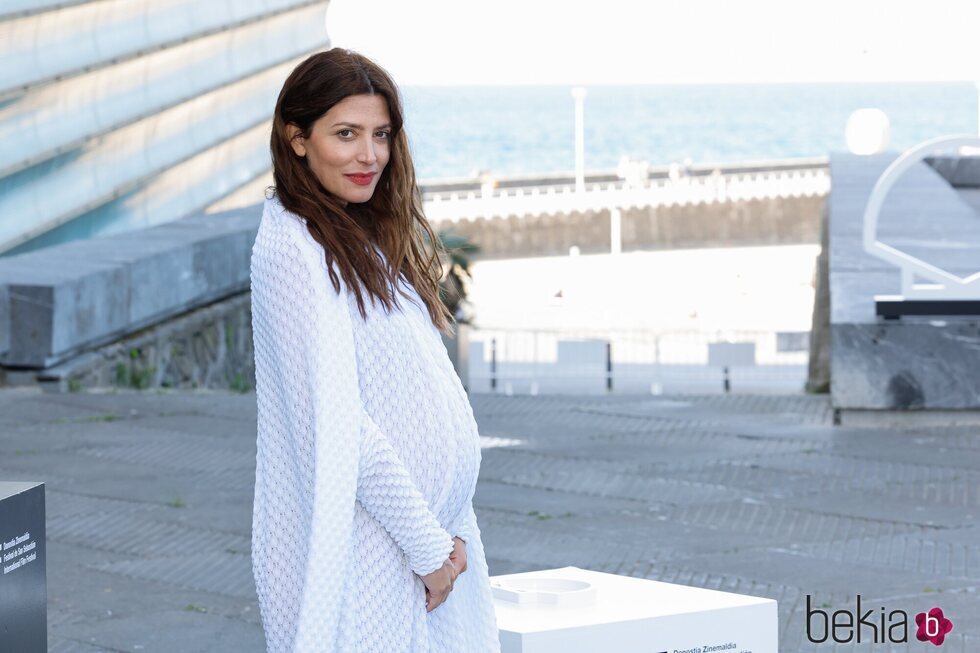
<point x="392" y="219"/>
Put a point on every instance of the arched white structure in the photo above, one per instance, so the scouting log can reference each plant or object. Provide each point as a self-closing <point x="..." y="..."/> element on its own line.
<point x="945" y="285"/>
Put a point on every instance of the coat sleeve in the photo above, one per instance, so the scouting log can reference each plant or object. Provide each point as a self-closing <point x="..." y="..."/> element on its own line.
<point x="318" y="451"/>
<point x="388" y="493"/>
<point x="465" y="527"/>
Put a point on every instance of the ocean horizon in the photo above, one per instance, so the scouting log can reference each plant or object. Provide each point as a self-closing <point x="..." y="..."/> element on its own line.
<point x="458" y="131"/>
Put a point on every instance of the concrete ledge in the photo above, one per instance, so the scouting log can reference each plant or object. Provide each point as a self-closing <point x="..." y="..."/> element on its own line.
<point x="69" y="298"/>
<point x="209" y="347"/>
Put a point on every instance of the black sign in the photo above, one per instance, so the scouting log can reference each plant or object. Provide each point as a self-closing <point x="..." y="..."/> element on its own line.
<point x="23" y="581"/>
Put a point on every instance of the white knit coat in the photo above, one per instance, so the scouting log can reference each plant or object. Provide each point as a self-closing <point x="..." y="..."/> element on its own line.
<point x="368" y="455"/>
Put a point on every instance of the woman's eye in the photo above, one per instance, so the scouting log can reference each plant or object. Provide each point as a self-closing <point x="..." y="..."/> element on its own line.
<point x="384" y="134"/>
<point x="344" y="131"/>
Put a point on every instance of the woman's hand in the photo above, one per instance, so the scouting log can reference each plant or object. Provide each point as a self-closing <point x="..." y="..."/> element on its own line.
<point x="458" y="556"/>
<point x="439" y="584"/>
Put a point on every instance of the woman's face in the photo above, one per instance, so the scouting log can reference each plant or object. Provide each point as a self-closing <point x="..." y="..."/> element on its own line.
<point x="348" y="147"/>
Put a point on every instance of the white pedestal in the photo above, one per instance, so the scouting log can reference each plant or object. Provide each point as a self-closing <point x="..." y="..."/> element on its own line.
<point x="541" y="612"/>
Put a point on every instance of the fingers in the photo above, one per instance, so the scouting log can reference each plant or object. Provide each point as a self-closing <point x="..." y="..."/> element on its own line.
<point x="458" y="556"/>
<point x="439" y="584"/>
<point x="433" y="601"/>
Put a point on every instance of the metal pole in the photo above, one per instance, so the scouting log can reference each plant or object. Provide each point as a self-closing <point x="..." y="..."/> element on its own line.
<point x="493" y="364"/>
<point x="615" y="231"/>
<point x="609" y="383"/>
<point x="579" y="94"/>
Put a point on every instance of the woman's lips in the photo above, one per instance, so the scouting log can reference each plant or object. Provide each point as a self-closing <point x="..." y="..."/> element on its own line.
<point x="361" y="180"/>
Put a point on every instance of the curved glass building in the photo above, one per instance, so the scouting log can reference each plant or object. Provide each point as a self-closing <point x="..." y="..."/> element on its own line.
<point x="118" y="114"/>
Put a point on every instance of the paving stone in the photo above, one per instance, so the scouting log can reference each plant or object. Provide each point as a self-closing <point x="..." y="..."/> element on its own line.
<point x="149" y="507"/>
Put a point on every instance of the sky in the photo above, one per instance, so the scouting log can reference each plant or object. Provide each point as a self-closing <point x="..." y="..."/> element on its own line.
<point x="450" y="42"/>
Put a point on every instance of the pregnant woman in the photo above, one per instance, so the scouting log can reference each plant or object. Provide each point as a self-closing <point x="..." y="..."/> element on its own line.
<point x="363" y="533"/>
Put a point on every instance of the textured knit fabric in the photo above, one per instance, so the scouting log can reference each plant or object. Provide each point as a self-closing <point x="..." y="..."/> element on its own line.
<point x="367" y="461"/>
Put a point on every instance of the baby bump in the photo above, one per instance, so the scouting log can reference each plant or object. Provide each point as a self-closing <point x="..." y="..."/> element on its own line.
<point x="435" y="440"/>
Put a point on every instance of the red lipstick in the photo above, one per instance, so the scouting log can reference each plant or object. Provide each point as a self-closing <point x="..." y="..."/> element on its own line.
<point x="361" y="180"/>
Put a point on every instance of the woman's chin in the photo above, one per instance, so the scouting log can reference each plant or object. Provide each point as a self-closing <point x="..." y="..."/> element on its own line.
<point x="358" y="197"/>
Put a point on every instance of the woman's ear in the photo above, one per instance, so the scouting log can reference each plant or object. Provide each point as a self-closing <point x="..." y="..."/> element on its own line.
<point x="296" y="140"/>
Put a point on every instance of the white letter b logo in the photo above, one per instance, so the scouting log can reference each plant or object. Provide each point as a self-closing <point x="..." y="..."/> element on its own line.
<point x="930" y="630"/>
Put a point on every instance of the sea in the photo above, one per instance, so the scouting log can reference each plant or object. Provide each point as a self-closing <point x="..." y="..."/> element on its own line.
<point x="456" y="131"/>
<point x="514" y="130"/>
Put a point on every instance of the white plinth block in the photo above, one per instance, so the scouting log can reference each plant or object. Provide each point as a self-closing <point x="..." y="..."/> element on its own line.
<point x="574" y="610"/>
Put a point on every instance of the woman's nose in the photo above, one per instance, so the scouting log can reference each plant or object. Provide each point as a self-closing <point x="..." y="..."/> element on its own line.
<point x="366" y="152"/>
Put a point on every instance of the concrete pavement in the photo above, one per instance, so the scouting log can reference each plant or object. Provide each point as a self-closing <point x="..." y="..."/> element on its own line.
<point x="149" y="507"/>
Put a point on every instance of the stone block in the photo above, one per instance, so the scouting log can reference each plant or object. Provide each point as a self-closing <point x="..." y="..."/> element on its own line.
<point x="910" y="364"/>
<point x="69" y="298"/>
<point x="914" y="363"/>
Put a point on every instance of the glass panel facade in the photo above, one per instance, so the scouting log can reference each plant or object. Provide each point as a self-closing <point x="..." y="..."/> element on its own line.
<point x="107" y="100"/>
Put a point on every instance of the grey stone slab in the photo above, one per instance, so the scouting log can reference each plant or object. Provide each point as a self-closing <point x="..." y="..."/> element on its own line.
<point x="85" y="593"/>
<point x="961" y="491"/>
<point x="815" y="575"/>
<point x="921" y="512"/>
<point x="138" y="535"/>
<point x="186" y="453"/>
<point x="63" y="505"/>
<point x="926" y="552"/>
<point x="778" y="520"/>
<point x="750" y="477"/>
<point x="30" y="405"/>
<point x="62" y="645"/>
<point x="238" y="428"/>
<point x="227" y="572"/>
<point x="907" y="448"/>
<point x="175" y="630"/>
<point x="908" y="364"/>
<point x="848" y="467"/>
<point x="73" y="296"/>
<point x="159" y="404"/>
<point x="505" y="497"/>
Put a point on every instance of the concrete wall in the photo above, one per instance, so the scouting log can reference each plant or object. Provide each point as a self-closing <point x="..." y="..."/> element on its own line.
<point x="818" y="372"/>
<point x="210" y="347"/>
<point x="775" y="221"/>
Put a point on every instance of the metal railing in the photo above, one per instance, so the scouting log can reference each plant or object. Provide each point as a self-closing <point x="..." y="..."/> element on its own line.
<point x="663" y="191"/>
<point x="636" y="361"/>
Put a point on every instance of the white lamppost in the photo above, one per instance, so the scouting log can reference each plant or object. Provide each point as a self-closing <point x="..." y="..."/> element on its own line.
<point x="978" y="108"/>
<point x="868" y="132"/>
<point x="578" y="93"/>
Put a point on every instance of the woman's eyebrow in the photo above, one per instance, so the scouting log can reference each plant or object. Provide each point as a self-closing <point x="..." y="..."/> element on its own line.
<point x="350" y="124"/>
